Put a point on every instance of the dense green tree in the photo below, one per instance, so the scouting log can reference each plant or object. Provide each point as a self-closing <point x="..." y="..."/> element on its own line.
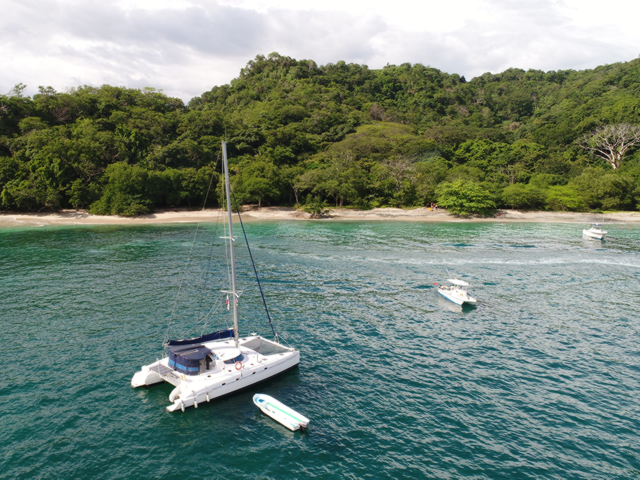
<point x="605" y="191"/>
<point x="126" y="193"/>
<point x="542" y="181"/>
<point x="256" y="181"/>
<point x="289" y="176"/>
<point x="465" y="198"/>
<point x="523" y="196"/>
<point x="429" y="174"/>
<point x="565" y="198"/>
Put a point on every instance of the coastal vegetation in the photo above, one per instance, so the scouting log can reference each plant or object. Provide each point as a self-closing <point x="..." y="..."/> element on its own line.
<point x="330" y="136"/>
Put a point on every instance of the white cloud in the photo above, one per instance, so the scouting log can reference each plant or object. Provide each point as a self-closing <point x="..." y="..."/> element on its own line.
<point x="187" y="46"/>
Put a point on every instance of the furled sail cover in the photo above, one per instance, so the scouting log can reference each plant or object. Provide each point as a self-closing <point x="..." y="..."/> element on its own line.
<point x="220" y="334"/>
<point x="186" y="359"/>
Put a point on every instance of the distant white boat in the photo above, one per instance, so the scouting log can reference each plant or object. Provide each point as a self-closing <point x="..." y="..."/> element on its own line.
<point x="280" y="412"/>
<point x="595" y="231"/>
<point x="456" y="293"/>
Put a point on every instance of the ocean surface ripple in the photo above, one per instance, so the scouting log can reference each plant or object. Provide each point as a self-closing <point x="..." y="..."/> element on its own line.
<point x="540" y="380"/>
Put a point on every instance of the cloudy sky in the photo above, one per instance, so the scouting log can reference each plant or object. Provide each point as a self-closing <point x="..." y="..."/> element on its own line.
<point x="185" y="47"/>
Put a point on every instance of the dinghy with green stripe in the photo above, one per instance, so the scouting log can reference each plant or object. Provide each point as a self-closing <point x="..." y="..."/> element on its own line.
<point x="280" y="412"/>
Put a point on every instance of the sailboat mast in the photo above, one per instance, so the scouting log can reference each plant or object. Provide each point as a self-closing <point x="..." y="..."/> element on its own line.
<point x="231" y="242"/>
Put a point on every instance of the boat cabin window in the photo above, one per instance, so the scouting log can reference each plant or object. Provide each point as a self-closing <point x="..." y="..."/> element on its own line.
<point x="210" y="361"/>
<point x="190" y="359"/>
<point x="239" y="358"/>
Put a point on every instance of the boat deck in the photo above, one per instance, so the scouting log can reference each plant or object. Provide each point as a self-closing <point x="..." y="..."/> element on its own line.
<point x="161" y="370"/>
<point x="168" y="374"/>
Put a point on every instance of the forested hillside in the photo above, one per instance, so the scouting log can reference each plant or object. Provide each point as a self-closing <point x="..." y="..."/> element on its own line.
<point x="333" y="135"/>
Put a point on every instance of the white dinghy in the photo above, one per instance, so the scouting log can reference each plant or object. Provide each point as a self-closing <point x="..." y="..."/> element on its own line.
<point x="595" y="231"/>
<point x="219" y="363"/>
<point x="456" y="293"/>
<point x="280" y="412"/>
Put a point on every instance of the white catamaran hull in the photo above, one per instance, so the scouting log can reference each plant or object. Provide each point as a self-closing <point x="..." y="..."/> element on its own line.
<point x="457" y="296"/>
<point x="145" y="378"/>
<point x="222" y="379"/>
<point x="195" y="393"/>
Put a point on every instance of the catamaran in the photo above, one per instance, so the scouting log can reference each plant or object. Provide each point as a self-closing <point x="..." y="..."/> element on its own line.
<point x="456" y="293"/>
<point x="220" y="363"/>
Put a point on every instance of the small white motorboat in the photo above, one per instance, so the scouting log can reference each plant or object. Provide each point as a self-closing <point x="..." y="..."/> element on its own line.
<point x="456" y="293"/>
<point x="280" y="412"/>
<point x="595" y="231"/>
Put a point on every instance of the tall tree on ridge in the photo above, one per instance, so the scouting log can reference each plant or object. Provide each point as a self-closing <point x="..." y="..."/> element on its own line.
<point x="611" y="142"/>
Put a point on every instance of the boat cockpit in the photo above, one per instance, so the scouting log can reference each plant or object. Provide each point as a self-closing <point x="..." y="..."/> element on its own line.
<point x="191" y="359"/>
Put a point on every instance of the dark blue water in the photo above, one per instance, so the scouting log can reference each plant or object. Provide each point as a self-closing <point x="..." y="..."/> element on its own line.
<point x="540" y="380"/>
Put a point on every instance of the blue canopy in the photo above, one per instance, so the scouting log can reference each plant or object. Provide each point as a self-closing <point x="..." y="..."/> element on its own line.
<point x="220" y="334"/>
<point x="186" y="359"/>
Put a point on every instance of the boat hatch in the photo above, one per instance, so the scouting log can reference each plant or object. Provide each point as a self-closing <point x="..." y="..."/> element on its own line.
<point x="239" y="358"/>
<point x="189" y="359"/>
<point x="227" y="353"/>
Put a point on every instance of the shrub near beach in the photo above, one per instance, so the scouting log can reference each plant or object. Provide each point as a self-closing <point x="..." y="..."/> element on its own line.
<point x="332" y="136"/>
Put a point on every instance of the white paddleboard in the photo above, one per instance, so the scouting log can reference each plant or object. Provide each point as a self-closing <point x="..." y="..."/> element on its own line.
<point x="280" y="412"/>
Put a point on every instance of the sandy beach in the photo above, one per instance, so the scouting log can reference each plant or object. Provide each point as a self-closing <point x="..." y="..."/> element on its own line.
<point x="72" y="217"/>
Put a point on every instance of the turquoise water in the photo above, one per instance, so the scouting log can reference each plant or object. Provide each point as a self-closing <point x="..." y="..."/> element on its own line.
<point x="540" y="380"/>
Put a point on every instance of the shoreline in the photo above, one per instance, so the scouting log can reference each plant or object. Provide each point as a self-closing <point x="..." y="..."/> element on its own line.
<point x="423" y="214"/>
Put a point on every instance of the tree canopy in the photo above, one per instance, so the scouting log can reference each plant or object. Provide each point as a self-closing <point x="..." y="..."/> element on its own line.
<point x="326" y="135"/>
<point x="611" y="142"/>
